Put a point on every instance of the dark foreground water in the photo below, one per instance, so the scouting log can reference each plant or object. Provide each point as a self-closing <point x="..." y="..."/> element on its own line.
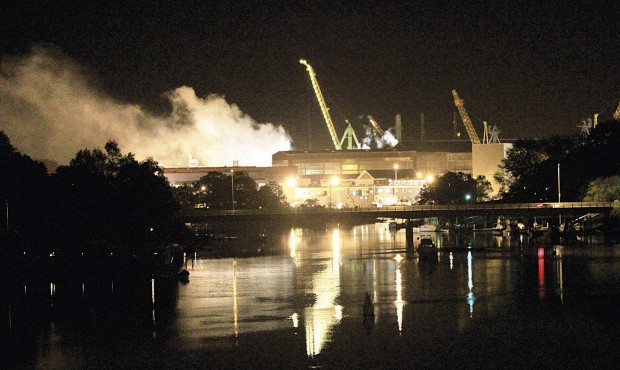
<point x="482" y="302"/>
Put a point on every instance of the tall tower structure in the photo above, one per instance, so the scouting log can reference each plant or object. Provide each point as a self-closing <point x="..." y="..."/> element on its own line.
<point x="399" y="128"/>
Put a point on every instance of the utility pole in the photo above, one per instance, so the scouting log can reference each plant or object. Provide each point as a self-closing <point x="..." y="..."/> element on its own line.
<point x="232" y="187"/>
<point x="559" y="195"/>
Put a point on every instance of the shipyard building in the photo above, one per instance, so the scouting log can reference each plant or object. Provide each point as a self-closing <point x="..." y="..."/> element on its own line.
<point x="374" y="177"/>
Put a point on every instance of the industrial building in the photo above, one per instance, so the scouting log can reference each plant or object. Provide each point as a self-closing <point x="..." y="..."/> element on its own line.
<point x="349" y="178"/>
<point x="370" y="177"/>
<point x="353" y="174"/>
<point x="363" y="178"/>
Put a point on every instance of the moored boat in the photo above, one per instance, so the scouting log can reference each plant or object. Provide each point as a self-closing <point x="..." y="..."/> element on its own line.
<point x="497" y="229"/>
<point x="426" y="228"/>
<point x="396" y="225"/>
<point x="427" y="247"/>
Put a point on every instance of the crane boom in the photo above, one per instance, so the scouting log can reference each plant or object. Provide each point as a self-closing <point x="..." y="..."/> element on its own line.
<point x="473" y="136"/>
<point x="375" y="124"/>
<point x="324" y="108"/>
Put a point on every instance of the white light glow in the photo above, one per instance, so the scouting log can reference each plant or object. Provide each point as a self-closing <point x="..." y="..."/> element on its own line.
<point x="470" y="284"/>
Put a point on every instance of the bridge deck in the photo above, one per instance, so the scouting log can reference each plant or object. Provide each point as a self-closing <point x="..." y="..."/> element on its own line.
<point x="414" y="211"/>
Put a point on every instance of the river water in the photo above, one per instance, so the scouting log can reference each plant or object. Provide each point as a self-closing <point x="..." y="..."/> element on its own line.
<point x="483" y="301"/>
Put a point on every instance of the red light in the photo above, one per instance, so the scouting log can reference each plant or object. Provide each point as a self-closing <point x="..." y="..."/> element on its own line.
<point x="541" y="272"/>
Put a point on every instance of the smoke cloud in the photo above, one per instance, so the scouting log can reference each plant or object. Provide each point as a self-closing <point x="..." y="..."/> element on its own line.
<point x="372" y="140"/>
<point x="50" y="110"/>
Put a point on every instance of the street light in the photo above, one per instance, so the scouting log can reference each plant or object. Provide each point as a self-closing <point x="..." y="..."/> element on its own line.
<point x="395" y="171"/>
<point x="232" y="187"/>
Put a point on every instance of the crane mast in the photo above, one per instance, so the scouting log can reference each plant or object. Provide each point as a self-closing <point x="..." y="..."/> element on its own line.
<point x="324" y="108"/>
<point x="376" y="125"/>
<point x="473" y="136"/>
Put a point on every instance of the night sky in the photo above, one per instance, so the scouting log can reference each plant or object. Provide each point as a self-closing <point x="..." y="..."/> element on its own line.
<point x="535" y="70"/>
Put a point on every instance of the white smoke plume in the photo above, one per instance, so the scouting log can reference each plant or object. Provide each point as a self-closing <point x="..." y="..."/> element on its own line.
<point x="373" y="140"/>
<point x="50" y="111"/>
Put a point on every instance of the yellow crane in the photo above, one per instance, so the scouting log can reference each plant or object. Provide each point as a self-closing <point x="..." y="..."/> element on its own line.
<point x="349" y="133"/>
<point x="473" y="136"/>
<point x="375" y="124"/>
<point x="324" y="109"/>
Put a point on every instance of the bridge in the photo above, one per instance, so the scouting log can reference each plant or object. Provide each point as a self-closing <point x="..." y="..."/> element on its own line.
<point x="524" y="210"/>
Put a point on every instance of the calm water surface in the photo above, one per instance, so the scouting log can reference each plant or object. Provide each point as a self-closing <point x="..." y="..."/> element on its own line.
<point x="483" y="302"/>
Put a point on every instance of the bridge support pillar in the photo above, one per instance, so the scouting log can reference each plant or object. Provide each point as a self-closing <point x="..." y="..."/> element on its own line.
<point x="409" y="235"/>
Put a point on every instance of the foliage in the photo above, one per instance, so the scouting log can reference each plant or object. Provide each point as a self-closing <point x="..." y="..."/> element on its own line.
<point x="531" y="167"/>
<point x="454" y="188"/>
<point x="102" y="198"/>
<point x="270" y="196"/>
<point x="22" y="190"/>
<point x="105" y="197"/>
<point x="215" y="191"/>
<point x="603" y="190"/>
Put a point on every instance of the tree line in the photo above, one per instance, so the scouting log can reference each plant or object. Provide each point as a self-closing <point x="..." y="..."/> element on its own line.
<point x="101" y="199"/>
<point x="105" y="199"/>
<point x="234" y="190"/>
<point x="589" y="170"/>
<point x="589" y="167"/>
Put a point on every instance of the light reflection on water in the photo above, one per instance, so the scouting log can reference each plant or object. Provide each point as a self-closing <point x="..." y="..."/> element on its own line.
<point x="313" y="292"/>
<point x="323" y="278"/>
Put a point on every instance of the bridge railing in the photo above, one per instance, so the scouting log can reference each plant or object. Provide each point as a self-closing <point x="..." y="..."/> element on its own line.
<point x="411" y="208"/>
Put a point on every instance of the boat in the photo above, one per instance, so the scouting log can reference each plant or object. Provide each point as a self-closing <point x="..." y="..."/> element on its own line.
<point x="396" y="225"/>
<point x="183" y="276"/>
<point x="427" y="247"/>
<point x="426" y="228"/>
<point x="539" y="230"/>
<point x="497" y="229"/>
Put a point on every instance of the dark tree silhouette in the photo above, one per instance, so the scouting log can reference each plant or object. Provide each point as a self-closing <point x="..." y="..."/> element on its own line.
<point x="23" y="190"/>
<point x="455" y="188"/>
<point x="531" y="166"/>
<point x="215" y="191"/>
<point x="109" y="199"/>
